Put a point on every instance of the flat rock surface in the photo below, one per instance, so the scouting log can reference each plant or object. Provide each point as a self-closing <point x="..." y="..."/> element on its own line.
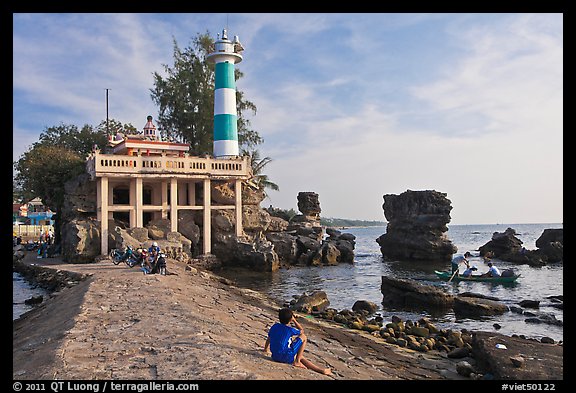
<point x="188" y="325"/>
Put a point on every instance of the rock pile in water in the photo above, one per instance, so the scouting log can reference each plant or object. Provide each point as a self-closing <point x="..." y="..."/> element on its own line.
<point x="507" y="247"/>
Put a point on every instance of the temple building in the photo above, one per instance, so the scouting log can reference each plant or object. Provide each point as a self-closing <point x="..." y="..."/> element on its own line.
<point x="142" y="177"/>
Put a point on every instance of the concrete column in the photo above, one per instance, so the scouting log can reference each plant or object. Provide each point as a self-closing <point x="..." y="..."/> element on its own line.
<point x="99" y="199"/>
<point x="103" y="215"/>
<point x="207" y="218"/>
<point x="132" y="194"/>
<point x="191" y="193"/>
<point x="138" y="206"/>
<point x="174" y="204"/>
<point x="238" y="192"/>
<point x="164" y="198"/>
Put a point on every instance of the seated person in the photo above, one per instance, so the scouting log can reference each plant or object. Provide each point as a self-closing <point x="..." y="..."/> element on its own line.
<point x="492" y="271"/>
<point x="468" y="272"/>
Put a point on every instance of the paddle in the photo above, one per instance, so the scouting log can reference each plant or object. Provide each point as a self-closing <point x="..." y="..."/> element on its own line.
<point x="455" y="271"/>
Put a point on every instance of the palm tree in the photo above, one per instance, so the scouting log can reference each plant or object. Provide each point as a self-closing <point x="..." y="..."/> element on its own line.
<point x="259" y="179"/>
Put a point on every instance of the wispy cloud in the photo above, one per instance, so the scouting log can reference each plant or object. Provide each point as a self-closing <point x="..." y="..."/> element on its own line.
<point x="352" y="106"/>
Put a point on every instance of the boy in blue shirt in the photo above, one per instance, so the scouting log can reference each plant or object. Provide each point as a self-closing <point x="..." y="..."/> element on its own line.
<point x="287" y="342"/>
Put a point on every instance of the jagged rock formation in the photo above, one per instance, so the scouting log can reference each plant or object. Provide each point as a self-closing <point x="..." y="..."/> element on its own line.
<point x="416" y="227"/>
<point x="507" y="247"/>
<point x="303" y="241"/>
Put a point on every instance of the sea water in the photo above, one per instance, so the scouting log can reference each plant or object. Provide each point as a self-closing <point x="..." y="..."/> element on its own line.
<point x="21" y="291"/>
<point x="345" y="283"/>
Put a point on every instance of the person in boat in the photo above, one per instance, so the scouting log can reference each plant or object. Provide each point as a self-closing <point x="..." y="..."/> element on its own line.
<point x="492" y="271"/>
<point x="469" y="270"/>
<point x="456" y="261"/>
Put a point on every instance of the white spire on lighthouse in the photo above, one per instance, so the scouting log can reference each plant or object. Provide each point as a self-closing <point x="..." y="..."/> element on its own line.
<point x="226" y="53"/>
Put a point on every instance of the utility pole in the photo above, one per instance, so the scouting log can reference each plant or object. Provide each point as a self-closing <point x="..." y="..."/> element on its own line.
<point x="107" y="126"/>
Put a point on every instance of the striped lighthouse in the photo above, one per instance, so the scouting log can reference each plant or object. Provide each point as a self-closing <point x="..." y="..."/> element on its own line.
<point x="226" y="54"/>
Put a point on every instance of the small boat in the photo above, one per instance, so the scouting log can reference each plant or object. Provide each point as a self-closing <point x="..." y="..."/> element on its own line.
<point x="447" y="275"/>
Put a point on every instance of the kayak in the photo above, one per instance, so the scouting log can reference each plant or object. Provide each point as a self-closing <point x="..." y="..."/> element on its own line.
<point x="447" y="275"/>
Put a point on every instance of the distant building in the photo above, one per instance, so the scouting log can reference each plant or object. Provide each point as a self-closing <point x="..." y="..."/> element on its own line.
<point x="32" y="213"/>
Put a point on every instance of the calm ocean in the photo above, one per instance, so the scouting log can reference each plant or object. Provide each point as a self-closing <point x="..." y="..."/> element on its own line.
<point x="346" y="283"/>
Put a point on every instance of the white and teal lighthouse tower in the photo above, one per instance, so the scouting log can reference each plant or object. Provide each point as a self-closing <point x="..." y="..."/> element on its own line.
<point x="226" y="54"/>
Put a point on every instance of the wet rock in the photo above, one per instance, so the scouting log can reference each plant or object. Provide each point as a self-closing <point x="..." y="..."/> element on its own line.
<point x="410" y="293"/>
<point x="476" y="307"/>
<point x="529" y="303"/>
<point x="34" y="300"/>
<point x="365" y="305"/>
<point x="316" y="301"/>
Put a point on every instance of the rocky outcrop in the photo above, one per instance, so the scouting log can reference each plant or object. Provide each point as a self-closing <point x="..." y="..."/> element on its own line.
<point x="303" y="243"/>
<point x="507" y="247"/>
<point x="255" y="254"/>
<point x="516" y="358"/>
<point x="80" y="240"/>
<point x="79" y="198"/>
<point x="411" y="294"/>
<point x="474" y="307"/>
<point x="417" y="226"/>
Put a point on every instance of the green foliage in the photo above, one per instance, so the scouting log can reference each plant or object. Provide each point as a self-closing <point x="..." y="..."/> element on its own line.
<point x="69" y="137"/>
<point x="43" y="170"/>
<point x="115" y="126"/>
<point x="346" y="222"/>
<point x="282" y="213"/>
<point x="186" y="99"/>
<point x="258" y="164"/>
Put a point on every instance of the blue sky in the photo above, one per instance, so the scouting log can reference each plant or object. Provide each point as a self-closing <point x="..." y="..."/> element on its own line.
<point x="351" y="106"/>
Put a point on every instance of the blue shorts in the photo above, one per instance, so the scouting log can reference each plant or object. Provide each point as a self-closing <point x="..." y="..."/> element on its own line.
<point x="290" y="354"/>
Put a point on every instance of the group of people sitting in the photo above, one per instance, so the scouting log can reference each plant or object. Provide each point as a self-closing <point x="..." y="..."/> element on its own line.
<point x="154" y="261"/>
<point x="493" y="271"/>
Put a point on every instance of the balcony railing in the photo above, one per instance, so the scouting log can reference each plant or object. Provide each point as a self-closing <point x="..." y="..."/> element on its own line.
<point x="99" y="164"/>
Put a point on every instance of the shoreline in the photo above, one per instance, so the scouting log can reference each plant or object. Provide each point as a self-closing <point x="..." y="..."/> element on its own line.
<point x="191" y="324"/>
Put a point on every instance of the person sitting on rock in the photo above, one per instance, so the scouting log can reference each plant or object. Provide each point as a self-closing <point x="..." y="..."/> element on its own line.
<point x="286" y="343"/>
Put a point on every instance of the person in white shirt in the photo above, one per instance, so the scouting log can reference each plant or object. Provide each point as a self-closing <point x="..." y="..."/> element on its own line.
<point x="492" y="271"/>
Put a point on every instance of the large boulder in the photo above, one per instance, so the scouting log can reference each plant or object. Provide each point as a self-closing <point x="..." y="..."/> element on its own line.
<point x="309" y="205"/>
<point x="502" y="243"/>
<point x="81" y="240"/>
<point x="476" y="307"/>
<point x="551" y="244"/>
<point x="79" y="198"/>
<point x="317" y="301"/>
<point x="507" y="247"/>
<point x="285" y="246"/>
<point x="417" y="226"/>
<point x="411" y="294"/>
<point x="255" y="254"/>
